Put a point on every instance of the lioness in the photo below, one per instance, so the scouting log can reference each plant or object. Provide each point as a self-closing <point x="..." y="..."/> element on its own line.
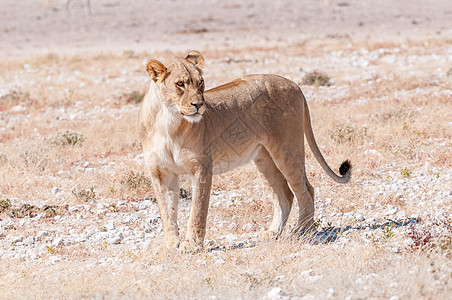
<point x="186" y="130"/>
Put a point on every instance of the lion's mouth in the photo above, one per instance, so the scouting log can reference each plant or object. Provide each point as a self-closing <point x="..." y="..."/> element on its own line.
<point x="198" y="111"/>
<point x="193" y="118"/>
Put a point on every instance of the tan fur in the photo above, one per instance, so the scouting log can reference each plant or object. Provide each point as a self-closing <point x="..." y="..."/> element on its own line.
<point x="188" y="131"/>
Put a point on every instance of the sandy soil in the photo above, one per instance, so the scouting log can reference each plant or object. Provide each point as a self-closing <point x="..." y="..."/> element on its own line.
<point x="48" y="26"/>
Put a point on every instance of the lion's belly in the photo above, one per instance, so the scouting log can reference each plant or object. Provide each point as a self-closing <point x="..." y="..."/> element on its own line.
<point x="224" y="161"/>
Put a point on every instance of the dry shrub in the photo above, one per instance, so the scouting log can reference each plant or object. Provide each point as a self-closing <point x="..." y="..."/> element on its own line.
<point x="435" y="235"/>
<point x="346" y="133"/>
<point x="316" y="78"/>
<point x="135" y="97"/>
<point x="85" y="195"/>
<point x="14" y="97"/>
<point x="68" y="138"/>
<point x="134" y="185"/>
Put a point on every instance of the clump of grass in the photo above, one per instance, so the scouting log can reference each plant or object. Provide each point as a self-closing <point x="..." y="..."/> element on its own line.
<point x="134" y="181"/>
<point x="68" y="138"/>
<point x="135" y="97"/>
<point x="316" y="78"/>
<point x="84" y="195"/>
<point x="344" y="133"/>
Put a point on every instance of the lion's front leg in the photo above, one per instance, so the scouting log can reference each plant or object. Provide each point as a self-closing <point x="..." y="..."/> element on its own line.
<point x="166" y="187"/>
<point x="196" y="229"/>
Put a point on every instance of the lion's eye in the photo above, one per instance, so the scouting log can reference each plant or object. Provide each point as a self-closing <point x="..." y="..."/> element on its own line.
<point x="180" y="83"/>
<point x="201" y="83"/>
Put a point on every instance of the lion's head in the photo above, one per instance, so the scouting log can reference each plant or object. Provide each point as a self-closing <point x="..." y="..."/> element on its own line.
<point x="180" y="81"/>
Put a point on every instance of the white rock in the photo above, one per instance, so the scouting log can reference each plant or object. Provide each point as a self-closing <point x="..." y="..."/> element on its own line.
<point x="57" y="242"/>
<point x="276" y="293"/>
<point x="53" y="259"/>
<point x="391" y="210"/>
<point x="307" y="273"/>
<point x="17" y="239"/>
<point x="401" y="214"/>
<point x="232" y="226"/>
<point x="395" y="250"/>
<point x="17" y="108"/>
<point x="149" y="236"/>
<point x="247" y="227"/>
<point x="116" y="239"/>
<point x="219" y="260"/>
<point x="42" y="233"/>
<point x="359" y="218"/>
<point x="109" y="226"/>
<point x="29" y="240"/>
<point x="314" y="279"/>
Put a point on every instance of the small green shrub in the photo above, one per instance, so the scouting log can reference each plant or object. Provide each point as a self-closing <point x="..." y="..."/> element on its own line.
<point x="103" y="246"/>
<point x="316" y="78"/>
<point x="4" y="205"/>
<point x="406" y="172"/>
<point x="387" y="231"/>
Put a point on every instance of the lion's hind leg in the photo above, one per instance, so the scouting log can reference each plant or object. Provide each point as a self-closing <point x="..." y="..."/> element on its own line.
<point x="282" y="195"/>
<point x="292" y="165"/>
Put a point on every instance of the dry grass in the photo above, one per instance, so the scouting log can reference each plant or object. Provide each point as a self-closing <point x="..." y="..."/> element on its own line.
<point x="74" y="128"/>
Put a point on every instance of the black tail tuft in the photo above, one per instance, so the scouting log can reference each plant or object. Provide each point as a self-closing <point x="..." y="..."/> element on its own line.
<point x="345" y="167"/>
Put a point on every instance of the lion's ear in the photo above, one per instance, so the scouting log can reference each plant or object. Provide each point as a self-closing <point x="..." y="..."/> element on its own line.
<point x="196" y="58"/>
<point x="156" y="70"/>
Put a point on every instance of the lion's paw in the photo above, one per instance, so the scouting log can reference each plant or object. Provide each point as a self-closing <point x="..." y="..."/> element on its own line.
<point x="189" y="247"/>
<point x="267" y="235"/>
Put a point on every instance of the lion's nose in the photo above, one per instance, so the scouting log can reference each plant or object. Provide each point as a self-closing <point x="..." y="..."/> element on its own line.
<point x="197" y="105"/>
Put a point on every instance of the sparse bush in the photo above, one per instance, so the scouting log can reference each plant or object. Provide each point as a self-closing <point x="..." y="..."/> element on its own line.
<point x="316" y="78"/>
<point x="68" y="138"/>
<point x="85" y="195"/>
<point x="395" y="115"/>
<point x="344" y="133"/>
<point x="411" y="148"/>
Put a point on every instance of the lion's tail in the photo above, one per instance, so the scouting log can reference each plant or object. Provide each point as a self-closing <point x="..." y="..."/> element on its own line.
<point x="345" y="170"/>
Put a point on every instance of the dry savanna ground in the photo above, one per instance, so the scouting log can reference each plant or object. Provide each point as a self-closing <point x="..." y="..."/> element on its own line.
<point x="78" y="219"/>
